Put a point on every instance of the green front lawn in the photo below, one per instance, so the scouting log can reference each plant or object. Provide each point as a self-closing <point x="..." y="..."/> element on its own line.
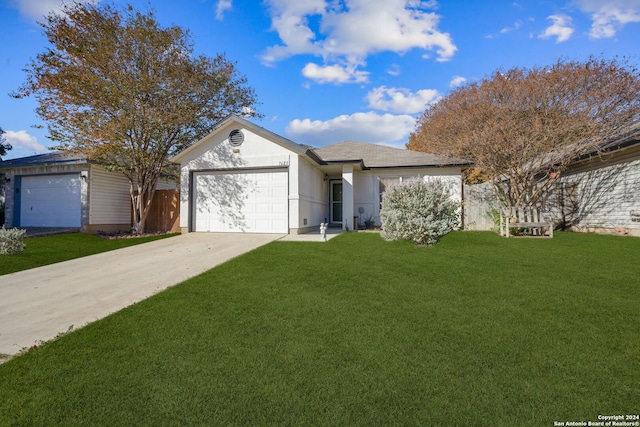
<point x="476" y="331"/>
<point x="63" y="247"/>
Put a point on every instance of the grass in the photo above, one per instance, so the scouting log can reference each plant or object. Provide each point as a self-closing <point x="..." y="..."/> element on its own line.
<point x="63" y="247"/>
<point x="478" y="330"/>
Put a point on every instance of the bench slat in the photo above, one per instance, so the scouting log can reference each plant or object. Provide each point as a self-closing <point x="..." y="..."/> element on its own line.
<point x="532" y="214"/>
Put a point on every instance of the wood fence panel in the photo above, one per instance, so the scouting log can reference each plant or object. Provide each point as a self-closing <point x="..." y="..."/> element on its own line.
<point x="479" y="200"/>
<point x="165" y="212"/>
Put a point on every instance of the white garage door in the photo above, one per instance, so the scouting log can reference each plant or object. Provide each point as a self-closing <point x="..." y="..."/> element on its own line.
<point x="247" y="201"/>
<point x="50" y="201"/>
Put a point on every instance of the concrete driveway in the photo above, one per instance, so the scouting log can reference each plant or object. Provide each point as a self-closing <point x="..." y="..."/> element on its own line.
<point x="38" y="304"/>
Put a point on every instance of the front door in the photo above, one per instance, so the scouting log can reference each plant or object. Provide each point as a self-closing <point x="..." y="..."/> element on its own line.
<point x="336" y="202"/>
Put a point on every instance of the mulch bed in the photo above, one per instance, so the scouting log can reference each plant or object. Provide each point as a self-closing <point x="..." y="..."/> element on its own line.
<point x="126" y="234"/>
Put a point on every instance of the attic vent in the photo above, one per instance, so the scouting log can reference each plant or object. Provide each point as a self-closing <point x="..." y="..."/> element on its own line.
<point x="236" y="138"/>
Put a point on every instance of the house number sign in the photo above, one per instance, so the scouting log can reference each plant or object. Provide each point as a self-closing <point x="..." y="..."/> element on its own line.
<point x="635" y="216"/>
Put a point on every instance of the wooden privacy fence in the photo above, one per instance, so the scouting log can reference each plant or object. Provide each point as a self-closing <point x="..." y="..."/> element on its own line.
<point x="164" y="215"/>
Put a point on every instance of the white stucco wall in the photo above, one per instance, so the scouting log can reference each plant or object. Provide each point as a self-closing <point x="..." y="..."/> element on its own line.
<point x="313" y="200"/>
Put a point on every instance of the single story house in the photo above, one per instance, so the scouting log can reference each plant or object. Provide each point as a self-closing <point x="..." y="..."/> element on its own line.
<point x="65" y="190"/>
<point x="244" y="178"/>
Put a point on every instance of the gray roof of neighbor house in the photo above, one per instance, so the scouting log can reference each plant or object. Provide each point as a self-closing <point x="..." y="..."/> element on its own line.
<point x="378" y="156"/>
<point x="630" y="136"/>
<point x="626" y="138"/>
<point x="47" y="159"/>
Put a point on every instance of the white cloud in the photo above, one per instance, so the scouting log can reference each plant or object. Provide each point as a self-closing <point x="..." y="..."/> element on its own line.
<point x="394" y="70"/>
<point x="400" y="100"/>
<point x="516" y="25"/>
<point x="335" y="73"/>
<point x="562" y="28"/>
<point x="457" y="81"/>
<point x="609" y="16"/>
<point x="290" y="19"/>
<point x="222" y="7"/>
<point x="505" y="30"/>
<point x="366" y="127"/>
<point x="22" y="140"/>
<point x="38" y="9"/>
<point x="351" y="30"/>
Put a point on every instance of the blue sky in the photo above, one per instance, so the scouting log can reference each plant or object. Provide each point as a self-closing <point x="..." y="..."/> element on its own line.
<point x="326" y="71"/>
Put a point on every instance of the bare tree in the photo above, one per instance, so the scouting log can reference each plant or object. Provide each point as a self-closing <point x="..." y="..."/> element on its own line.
<point x="129" y="93"/>
<point x="523" y="127"/>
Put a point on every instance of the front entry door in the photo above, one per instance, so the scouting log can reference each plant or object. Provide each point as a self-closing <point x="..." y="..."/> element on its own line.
<point x="336" y="202"/>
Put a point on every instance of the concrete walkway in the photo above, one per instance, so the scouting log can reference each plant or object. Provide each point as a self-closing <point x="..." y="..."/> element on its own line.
<point x="313" y="236"/>
<point x="38" y="304"/>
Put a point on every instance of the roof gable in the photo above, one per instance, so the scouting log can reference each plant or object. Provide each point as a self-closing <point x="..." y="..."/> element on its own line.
<point x="243" y="123"/>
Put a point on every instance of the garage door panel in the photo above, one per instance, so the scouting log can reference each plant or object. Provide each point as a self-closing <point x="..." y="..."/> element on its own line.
<point x="280" y="224"/>
<point x="279" y="208"/>
<point x="262" y="208"/>
<point x="262" y="225"/>
<point x="279" y="192"/>
<point x="50" y="201"/>
<point x="241" y="202"/>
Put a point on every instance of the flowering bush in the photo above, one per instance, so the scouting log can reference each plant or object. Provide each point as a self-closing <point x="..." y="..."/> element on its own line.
<point x="11" y="241"/>
<point x="418" y="211"/>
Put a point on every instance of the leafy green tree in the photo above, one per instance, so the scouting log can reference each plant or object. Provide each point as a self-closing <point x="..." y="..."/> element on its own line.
<point x="129" y="93"/>
<point x="523" y="127"/>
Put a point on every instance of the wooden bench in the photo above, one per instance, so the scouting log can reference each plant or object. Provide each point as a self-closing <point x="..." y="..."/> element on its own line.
<point x="529" y="217"/>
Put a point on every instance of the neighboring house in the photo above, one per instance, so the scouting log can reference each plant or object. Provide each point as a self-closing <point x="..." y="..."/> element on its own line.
<point x="599" y="192"/>
<point x="244" y="178"/>
<point x="64" y="190"/>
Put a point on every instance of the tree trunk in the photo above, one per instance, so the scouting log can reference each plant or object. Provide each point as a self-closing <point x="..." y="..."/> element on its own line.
<point x="141" y="198"/>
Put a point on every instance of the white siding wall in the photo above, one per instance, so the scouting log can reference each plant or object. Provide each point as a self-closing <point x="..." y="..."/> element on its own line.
<point x="109" y="198"/>
<point x="167" y="185"/>
<point x="601" y="198"/>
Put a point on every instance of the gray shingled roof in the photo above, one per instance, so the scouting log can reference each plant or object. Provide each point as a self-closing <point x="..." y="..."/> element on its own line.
<point x="630" y="136"/>
<point x="378" y="156"/>
<point x="47" y="159"/>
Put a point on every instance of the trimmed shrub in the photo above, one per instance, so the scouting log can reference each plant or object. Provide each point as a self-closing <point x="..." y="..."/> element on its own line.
<point x="11" y="241"/>
<point x="419" y="211"/>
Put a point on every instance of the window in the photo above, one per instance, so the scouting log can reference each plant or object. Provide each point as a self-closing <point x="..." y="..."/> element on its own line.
<point x="385" y="182"/>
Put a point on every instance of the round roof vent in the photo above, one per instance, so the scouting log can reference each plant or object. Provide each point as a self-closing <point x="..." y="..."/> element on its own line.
<point x="236" y="138"/>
